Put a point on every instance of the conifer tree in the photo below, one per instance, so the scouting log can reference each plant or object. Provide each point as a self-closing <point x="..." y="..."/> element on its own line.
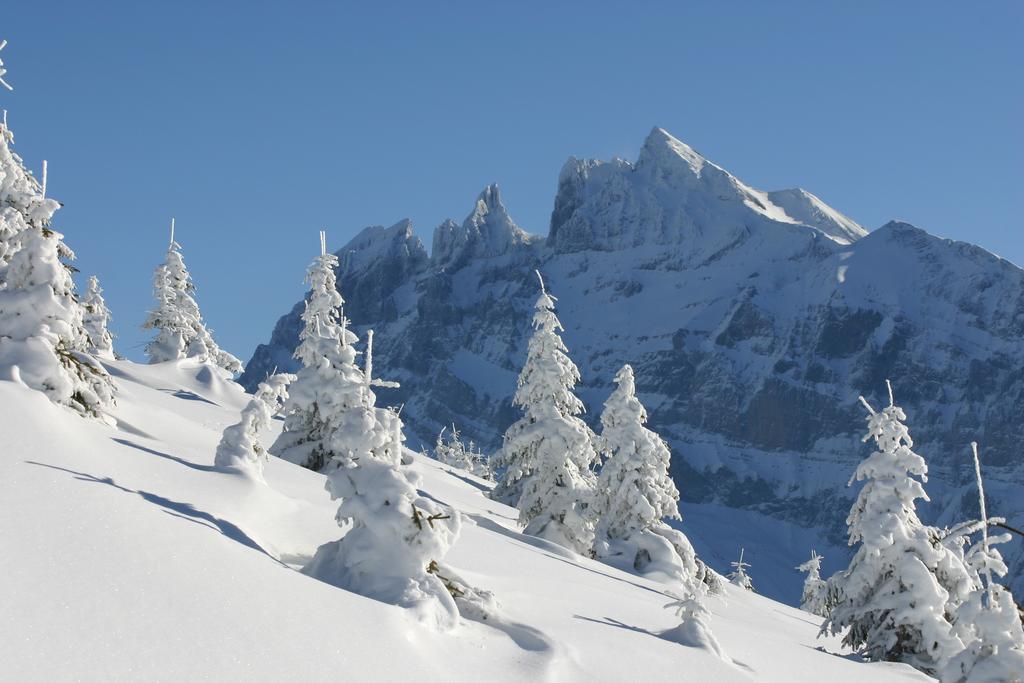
<point x="635" y="491"/>
<point x="95" y="318"/>
<point x="180" y="330"/>
<point x="987" y="622"/>
<point x="395" y="536"/>
<point x="888" y="601"/>
<point x="239" y="445"/>
<point x="42" y="335"/>
<point x="548" y="453"/>
<point x="815" y="593"/>
<point x="41" y="330"/>
<point x="23" y="202"/>
<point x="694" y="629"/>
<point x="329" y="385"/>
<point x="738" y="576"/>
<point x="454" y="452"/>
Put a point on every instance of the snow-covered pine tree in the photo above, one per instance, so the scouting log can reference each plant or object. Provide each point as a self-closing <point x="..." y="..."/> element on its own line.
<point x="694" y="629"/>
<point x="239" y="445"/>
<point x="987" y="622"/>
<point x="451" y="450"/>
<point x="42" y="335"/>
<point x="95" y="318"/>
<point x="23" y="202"/>
<point x="738" y="576"/>
<point x="180" y="330"/>
<point x="330" y="384"/>
<point x="41" y="330"/>
<point x="547" y="455"/>
<point x="815" y="594"/>
<point x="395" y="537"/>
<point x="634" y="490"/>
<point x="888" y="601"/>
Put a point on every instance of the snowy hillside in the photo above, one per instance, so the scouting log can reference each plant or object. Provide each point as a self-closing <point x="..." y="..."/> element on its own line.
<point x="753" y="320"/>
<point x="127" y="555"/>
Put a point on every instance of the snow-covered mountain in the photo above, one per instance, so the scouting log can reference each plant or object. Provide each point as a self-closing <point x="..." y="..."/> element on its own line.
<point x="753" y="320"/>
<point x="129" y="556"/>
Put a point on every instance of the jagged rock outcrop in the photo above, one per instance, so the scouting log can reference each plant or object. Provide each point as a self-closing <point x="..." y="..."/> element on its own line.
<point x="487" y="232"/>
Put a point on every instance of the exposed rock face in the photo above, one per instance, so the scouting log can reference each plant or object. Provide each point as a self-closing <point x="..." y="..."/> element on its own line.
<point x="753" y="321"/>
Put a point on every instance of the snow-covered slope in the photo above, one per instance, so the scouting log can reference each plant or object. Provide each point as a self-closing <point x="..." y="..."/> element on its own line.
<point x="753" y="321"/>
<point x="128" y="556"/>
<point x="804" y="207"/>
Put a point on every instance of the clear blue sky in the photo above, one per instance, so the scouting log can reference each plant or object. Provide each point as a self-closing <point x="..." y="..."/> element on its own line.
<point x="256" y="124"/>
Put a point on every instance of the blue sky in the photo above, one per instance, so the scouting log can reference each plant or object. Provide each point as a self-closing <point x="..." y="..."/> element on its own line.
<point x="256" y="124"/>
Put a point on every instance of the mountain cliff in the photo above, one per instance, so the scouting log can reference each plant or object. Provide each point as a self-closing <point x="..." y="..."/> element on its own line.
<point x="753" y="320"/>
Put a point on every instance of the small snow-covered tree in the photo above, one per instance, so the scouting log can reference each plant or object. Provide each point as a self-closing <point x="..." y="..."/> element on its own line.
<point x="180" y="330"/>
<point x="889" y="601"/>
<point x="42" y="336"/>
<point x="23" y="202"/>
<point x="95" y="318"/>
<point x="636" y="489"/>
<point x="239" y="445"/>
<point x="815" y="594"/>
<point x="395" y="536"/>
<point x="987" y="621"/>
<point x="451" y="450"/>
<point x="635" y="492"/>
<point x="694" y="629"/>
<point x="547" y="454"/>
<point x="738" y="576"/>
<point x="329" y="385"/>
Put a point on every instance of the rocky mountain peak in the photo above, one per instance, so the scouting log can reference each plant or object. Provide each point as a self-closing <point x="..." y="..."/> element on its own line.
<point x="487" y="231"/>
<point x="663" y="150"/>
<point x="376" y="244"/>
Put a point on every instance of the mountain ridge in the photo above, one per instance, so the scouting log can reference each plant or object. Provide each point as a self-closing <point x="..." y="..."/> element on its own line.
<point x="752" y="333"/>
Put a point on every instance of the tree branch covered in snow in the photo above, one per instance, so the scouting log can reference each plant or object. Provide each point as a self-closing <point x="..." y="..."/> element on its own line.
<point x="3" y="44"/>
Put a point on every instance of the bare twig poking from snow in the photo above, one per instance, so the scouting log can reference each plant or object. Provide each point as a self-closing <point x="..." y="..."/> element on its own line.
<point x="3" y="44"/>
<point x="984" y="517"/>
<point x="867" y="405"/>
<point x="369" y="367"/>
